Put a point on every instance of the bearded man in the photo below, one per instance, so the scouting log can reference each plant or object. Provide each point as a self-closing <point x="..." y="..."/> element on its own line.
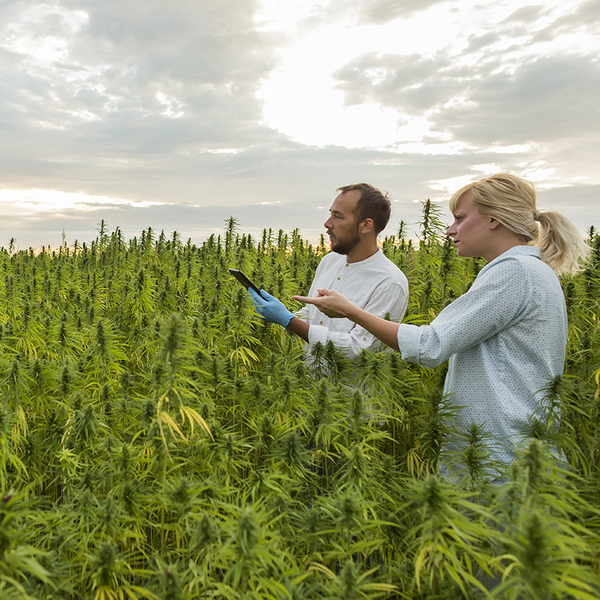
<point x="355" y="267"/>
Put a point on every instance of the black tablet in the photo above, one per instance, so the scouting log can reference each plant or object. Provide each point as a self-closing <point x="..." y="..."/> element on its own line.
<point x="244" y="280"/>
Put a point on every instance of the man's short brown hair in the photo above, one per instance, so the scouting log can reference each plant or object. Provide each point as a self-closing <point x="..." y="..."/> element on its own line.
<point x="373" y="204"/>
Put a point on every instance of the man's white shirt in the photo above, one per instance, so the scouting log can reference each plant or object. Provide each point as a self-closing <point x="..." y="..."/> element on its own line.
<point x="375" y="284"/>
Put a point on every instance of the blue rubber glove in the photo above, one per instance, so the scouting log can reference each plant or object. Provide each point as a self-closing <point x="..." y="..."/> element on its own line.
<point x="270" y="309"/>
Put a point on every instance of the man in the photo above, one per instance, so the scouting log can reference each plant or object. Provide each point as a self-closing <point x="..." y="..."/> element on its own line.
<point x="356" y="267"/>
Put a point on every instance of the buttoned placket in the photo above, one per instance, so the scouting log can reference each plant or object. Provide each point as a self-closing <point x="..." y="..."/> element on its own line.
<point x="365" y="337"/>
<point x="338" y="278"/>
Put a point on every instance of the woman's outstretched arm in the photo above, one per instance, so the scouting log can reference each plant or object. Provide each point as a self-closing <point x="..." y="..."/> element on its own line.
<point x="336" y="305"/>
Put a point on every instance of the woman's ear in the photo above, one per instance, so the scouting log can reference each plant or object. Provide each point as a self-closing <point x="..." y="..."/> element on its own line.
<point x="494" y="223"/>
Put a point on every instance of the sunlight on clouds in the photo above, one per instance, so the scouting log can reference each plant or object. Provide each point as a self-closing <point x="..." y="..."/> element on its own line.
<point x="283" y="15"/>
<point x="512" y="149"/>
<point x="301" y="101"/>
<point x="50" y="125"/>
<point x="453" y="184"/>
<point x="542" y="177"/>
<point x="47" y="49"/>
<point x="487" y="169"/>
<point x="450" y="185"/>
<point x="426" y="149"/>
<point x="300" y="98"/>
<point x="320" y="121"/>
<point x="224" y="151"/>
<point x="23" y="36"/>
<point x="173" y="105"/>
<point x="32" y="201"/>
<point x="84" y="115"/>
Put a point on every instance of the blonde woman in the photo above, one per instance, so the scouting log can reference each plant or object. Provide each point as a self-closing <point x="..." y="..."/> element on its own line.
<point x="506" y="337"/>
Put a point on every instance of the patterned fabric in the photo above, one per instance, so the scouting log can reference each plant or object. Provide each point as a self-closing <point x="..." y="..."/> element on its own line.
<point x="505" y="338"/>
<point x="376" y="285"/>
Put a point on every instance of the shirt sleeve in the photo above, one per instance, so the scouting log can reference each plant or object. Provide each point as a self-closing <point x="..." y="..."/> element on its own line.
<point x="497" y="299"/>
<point x="389" y="298"/>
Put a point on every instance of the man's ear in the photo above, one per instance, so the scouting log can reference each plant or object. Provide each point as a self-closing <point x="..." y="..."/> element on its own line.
<point x="366" y="226"/>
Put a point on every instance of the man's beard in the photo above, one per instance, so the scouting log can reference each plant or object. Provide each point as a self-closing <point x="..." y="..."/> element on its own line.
<point x="346" y="245"/>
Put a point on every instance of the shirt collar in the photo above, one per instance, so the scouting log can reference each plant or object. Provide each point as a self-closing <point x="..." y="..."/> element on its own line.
<point x="520" y="250"/>
<point x="366" y="262"/>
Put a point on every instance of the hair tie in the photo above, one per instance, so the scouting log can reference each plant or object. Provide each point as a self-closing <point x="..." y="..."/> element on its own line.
<point x="536" y="215"/>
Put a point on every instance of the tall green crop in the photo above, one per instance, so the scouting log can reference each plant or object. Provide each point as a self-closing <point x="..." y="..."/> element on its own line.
<point x="158" y="440"/>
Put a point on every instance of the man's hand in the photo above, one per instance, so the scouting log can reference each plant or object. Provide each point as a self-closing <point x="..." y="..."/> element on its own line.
<point x="269" y="308"/>
<point x="333" y="304"/>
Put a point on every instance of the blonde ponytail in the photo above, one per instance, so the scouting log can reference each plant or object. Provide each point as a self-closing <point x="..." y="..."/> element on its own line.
<point x="563" y="247"/>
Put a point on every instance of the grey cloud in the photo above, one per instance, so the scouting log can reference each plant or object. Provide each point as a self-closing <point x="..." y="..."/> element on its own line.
<point x="294" y="180"/>
<point x="11" y="8"/>
<point x="382" y="11"/>
<point x="308" y="214"/>
<point x="589" y="12"/>
<point x="578" y="203"/>
<point x="269" y="173"/>
<point x="362" y="12"/>
<point x="406" y="82"/>
<point x="526" y="14"/>
<point x="127" y="52"/>
<point x="544" y="99"/>
<point x="186" y="42"/>
<point x="207" y="57"/>
<point x="481" y="41"/>
<point x="552" y="98"/>
<point x="586" y="17"/>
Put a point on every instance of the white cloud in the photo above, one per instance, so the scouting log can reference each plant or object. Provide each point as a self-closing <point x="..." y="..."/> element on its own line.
<point x="31" y="201"/>
<point x="173" y="106"/>
<point x="42" y="31"/>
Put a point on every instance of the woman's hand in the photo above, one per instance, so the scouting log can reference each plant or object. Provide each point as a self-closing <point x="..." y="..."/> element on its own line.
<point x="333" y="304"/>
<point x="337" y="306"/>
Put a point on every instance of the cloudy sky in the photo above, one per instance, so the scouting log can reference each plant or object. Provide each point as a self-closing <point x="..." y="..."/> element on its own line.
<point x="178" y="114"/>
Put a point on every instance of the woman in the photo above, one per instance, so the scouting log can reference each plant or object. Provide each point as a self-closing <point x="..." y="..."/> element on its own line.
<point x="505" y="337"/>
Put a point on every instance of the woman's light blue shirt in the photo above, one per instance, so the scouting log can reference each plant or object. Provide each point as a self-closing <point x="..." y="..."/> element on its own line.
<point x="505" y="338"/>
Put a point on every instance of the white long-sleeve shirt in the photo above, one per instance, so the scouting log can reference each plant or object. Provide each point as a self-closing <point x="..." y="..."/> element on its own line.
<point x="505" y="338"/>
<point x="375" y="284"/>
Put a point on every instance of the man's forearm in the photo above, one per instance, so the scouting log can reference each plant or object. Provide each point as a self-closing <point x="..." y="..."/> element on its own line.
<point x="299" y="327"/>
